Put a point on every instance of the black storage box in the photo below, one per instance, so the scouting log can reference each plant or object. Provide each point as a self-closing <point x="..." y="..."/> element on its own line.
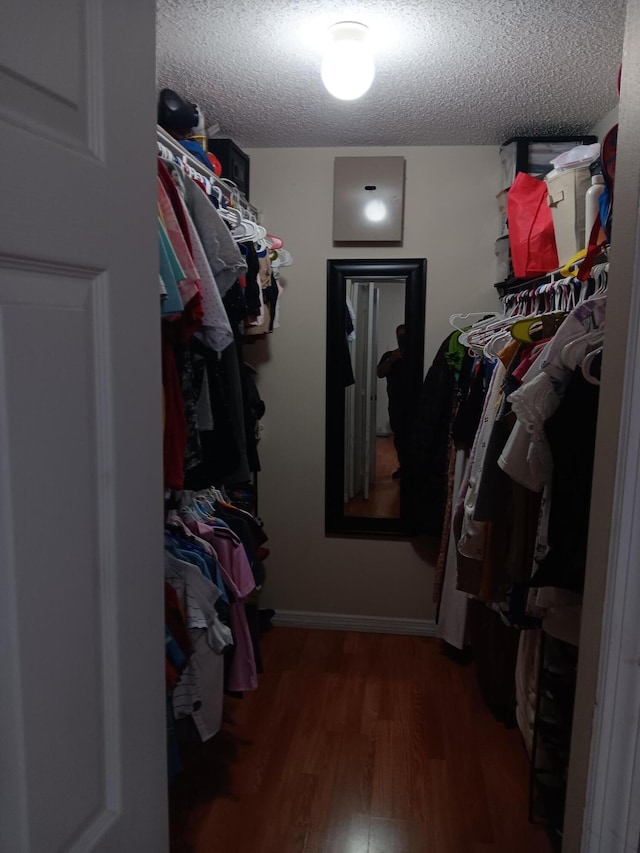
<point x="531" y="154"/>
<point x="234" y="162"/>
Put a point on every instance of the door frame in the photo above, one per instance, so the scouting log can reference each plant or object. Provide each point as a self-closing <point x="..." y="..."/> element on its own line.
<point x="603" y="796"/>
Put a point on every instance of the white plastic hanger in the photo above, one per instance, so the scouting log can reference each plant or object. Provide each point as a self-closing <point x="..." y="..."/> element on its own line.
<point x="497" y="343"/>
<point x="461" y="322"/>
<point x="231" y="215"/>
<point x="594" y="337"/>
<point x="585" y="367"/>
<point x="479" y="335"/>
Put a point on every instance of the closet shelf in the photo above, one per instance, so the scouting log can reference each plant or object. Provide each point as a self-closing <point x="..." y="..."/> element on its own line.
<point x="182" y="154"/>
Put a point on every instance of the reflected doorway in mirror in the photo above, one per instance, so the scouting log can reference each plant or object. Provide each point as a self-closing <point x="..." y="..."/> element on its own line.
<point x="375" y="346"/>
<point x="375" y="405"/>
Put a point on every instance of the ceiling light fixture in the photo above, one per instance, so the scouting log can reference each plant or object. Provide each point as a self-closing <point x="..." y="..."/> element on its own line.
<point x="347" y="67"/>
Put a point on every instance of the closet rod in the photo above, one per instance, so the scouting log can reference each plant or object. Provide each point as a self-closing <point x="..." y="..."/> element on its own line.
<point x="520" y="285"/>
<point x="182" y="154"/>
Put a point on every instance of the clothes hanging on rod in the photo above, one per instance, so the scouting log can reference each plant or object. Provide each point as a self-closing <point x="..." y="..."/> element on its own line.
<point x="231" y="219"/>
<point x="511" y="452"/>
<point x="427" y="475"/>
<point x="569" y="273"/>
<point x="171" y="150"/>
<point x="213" y="566"/>
<point x="213" y="287"/>
<point x="509" y="413"/>
<point x="217" y="285"/>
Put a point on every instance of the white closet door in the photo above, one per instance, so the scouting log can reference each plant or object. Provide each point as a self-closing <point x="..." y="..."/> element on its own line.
<point x="360" y="448"/>
<point x="373" y="391"/>
<point x="366" y="395"/>
<point x="350" y="410"/>
<point x="82" y="733"/>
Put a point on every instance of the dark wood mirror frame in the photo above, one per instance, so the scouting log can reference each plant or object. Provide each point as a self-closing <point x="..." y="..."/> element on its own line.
<point x="414" y="272"/>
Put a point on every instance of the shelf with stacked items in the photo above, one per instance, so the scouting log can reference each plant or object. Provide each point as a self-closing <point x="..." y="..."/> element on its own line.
<point x="533" y="156"/>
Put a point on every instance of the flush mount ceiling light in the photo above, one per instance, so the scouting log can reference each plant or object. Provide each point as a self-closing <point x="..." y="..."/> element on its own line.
<point x="347" y="67"/>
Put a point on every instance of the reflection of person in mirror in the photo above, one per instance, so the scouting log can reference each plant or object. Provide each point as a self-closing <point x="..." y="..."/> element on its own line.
<point x="392" y="367"/>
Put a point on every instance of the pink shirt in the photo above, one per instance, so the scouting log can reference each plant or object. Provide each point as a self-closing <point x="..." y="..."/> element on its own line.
<point x="238" y="576"/>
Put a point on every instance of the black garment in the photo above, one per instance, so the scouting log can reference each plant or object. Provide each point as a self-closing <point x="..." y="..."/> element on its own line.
<point x="348" y="322"/>
<point x="231" y="360"/>
<point x="399" y="409"/>
<point x="472" y="390"/>
<point x="400" y="427"/>
<point x="191" y="382"/>
<point x="425" y="478"/>
<point x="241" y="403"/>
<point x="235" y="304"/>
<point x="396" y="381"/>
<point x="220" y="451"/>
<point x="254" y="409"/>
<point x="342" y="363"/>
<point x="494" y="647"/>
<point x="270" y="296"/>
<point x="571" y="432"/>
<point x="252" y="290"/>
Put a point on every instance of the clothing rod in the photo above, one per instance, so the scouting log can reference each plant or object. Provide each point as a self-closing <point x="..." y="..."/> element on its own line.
<point x="507" y="287"/>
<point x="182" y="154"/>
<point x="521" y="285"/>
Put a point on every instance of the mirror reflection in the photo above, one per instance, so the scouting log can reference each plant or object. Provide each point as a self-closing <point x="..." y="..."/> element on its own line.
<point x="375" y="356"/>
<point x="376" y="403"/>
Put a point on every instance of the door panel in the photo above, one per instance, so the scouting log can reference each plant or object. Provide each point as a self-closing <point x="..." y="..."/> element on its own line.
<point x="82" y="730"/>
<point x="56" y="663"/>
<point x="373" y="398"/>
<point x="51" y="75"/>
<point x="369" y="416"/>
<point x="350" y="412"/>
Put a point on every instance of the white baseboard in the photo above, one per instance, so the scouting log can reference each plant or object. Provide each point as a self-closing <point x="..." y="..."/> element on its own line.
<point x="347" y="622"/>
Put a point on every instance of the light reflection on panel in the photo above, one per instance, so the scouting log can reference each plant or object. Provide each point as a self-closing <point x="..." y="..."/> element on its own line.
<point x="368" y="199"/>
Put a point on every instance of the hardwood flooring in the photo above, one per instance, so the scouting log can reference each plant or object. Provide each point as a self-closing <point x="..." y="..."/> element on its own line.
<point x="384" y="493"/>
<point x="356" y="743"/>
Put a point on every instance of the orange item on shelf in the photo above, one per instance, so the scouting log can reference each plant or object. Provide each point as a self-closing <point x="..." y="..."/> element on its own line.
<point x="216" y="165"/>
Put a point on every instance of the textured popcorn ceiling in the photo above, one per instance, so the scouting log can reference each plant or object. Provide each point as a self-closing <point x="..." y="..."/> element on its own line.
<point x="447" y="71"/>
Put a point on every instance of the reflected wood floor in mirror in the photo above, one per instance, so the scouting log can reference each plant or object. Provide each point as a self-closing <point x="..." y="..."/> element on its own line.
<point x="384" y="494"/>
<point x="356" y="743"/>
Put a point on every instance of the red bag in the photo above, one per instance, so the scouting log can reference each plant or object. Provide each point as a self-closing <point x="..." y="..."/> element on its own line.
<point x="531" y="235"/>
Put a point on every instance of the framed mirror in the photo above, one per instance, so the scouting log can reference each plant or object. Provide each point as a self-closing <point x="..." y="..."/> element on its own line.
<point x="375" y="362"/>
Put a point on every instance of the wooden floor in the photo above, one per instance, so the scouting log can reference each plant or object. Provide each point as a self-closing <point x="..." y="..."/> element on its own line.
<point x="384" y="493"/>
<point x="356" y="743"/>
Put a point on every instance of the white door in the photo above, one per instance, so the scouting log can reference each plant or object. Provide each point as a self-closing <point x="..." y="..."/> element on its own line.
<point x="82" y="732"/>
<point x="368" y="391"/>
<point x="373" y="400"/>
<point x="361" y="308"/>
<point x="350" y="411"/>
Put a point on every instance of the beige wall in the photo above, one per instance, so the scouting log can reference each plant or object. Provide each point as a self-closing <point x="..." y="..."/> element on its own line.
<point x="451" y="219"/>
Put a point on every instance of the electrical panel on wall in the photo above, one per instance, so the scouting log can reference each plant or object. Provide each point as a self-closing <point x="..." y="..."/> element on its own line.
<point x="368" y="199"/>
